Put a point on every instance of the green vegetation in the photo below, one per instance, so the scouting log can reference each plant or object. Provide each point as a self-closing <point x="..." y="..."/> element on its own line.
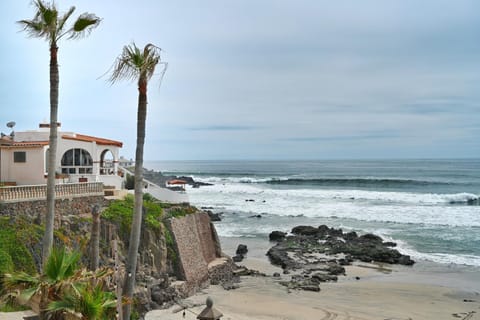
<point x="121" y="212"/>
<point x="181" y="211"/>
<point x="129" y="182"/>
<point x="63" y="288"/>
<point x="15" y="239"/>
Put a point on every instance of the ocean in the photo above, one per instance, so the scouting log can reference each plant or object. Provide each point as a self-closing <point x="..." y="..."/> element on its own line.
<point x="430" y="208"/>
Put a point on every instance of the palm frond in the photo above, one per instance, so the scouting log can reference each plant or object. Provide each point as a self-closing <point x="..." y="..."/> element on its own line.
<point x="84" y="24"/>
<point x="49" y="14"/>
<point x="61" y="264"/>
<point x="19" y="280"/>
<point x="44" y="22"/>
<point x="134" y="64"/>
<point x="69" y="303"/>
<point x="64" y="18"/>
<point x="48" y="24"/>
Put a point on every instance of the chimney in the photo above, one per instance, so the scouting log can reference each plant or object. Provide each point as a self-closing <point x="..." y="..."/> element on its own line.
<point x="47" y="125"/>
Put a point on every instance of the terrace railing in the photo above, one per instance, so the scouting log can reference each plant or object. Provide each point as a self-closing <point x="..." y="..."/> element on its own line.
<point x="39" y="192"/>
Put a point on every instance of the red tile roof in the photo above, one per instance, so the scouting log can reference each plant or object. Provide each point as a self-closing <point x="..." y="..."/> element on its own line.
<point x="100" y="141"/>
<point x="27" y="144"/>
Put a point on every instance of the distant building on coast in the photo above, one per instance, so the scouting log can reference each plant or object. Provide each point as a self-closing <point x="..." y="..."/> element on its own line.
<point x="85" y="164"/>
<point x="81" y="158"/>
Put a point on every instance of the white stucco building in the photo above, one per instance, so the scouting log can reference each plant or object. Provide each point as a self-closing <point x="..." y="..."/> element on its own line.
<point x="80" y="158"/>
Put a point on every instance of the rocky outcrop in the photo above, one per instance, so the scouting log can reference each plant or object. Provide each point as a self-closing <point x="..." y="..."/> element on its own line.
<point x="319" y="254"/>
<point x="307" y="241"/>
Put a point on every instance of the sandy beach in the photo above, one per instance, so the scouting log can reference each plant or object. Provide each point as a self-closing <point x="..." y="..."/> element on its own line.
<point x="389" y="292"/>
<point x="367" y="292"/>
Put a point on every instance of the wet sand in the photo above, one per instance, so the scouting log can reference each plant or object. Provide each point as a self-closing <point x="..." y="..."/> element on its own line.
<point x="367" y="292"/>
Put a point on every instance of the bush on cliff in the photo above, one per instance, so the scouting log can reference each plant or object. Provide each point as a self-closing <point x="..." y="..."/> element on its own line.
<point x="16" y="237"/>
<point x="121" y="212"/>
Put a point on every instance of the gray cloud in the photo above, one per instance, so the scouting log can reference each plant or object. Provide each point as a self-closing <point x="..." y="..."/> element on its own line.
<point x="265" y="79"/>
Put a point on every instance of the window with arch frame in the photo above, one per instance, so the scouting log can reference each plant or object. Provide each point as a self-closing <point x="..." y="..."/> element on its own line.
<point x="77" y="161"/>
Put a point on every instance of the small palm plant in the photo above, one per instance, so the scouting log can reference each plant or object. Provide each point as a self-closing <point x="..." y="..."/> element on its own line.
<point x="62" y="279"/>
<point x="88" y="302"/>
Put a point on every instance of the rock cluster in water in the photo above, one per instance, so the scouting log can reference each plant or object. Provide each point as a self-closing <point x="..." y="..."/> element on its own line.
<point x="321" y="252"/>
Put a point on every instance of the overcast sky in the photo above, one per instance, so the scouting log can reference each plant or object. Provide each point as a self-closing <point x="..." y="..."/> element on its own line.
<point x="262" y="79"/>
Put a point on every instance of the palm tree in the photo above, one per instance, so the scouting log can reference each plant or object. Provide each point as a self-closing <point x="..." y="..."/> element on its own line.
<point x="60" y="268"/>
<point x="87" y="302"/>
<point x="63" y="287"/>
<point x="134" y="64"/>
<point x="48" y="24"/>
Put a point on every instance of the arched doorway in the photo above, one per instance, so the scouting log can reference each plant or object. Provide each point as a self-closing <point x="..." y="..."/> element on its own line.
<point x="77" y="161"/>
<point x="107" y="162"/>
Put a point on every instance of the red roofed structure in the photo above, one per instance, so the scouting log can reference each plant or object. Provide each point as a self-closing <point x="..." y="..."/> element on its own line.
<point x="80" y="158"/>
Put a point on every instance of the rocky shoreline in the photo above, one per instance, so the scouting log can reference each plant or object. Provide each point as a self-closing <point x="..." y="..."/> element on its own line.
<point x="312" y="255"/>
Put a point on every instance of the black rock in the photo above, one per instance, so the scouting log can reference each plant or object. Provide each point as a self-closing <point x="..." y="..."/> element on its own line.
<point x="214" y="216"/>
<point x="335" y="269"/>
<point x="322" y="277"/>
<point x="238" y="258"/>
<point x="305" y="230"/>
<point x="389" y="244"/>
<point x="277" y="236"/>
<point x="242" y="249"/>
<point x="369" y="237"/>
<point x="405" y="260"/>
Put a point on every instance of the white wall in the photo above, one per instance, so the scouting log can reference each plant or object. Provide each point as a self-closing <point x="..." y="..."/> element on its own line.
<point x="24" y="173"/>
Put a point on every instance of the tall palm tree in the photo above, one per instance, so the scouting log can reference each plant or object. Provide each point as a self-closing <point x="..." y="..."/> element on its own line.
<point x="48" y="24"/>
<point x="135" y="64"/>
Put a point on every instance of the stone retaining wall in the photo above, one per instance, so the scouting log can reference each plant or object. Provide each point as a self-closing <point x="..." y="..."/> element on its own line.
<point x="221" y="270"/>
<point x="196" y="245"/>
<point x="37" y="208"/>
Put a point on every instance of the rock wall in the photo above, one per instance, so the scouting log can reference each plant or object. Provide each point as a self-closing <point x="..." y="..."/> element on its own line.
<point x="196" y="244"/>
<point x="37" y="208"/>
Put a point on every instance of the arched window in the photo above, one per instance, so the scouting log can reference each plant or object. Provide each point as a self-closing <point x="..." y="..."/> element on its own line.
<point x="106" y="162"/>
<point x="77" y="161"/>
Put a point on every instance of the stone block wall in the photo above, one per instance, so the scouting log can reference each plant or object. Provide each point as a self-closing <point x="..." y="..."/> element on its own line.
<point x="196" y="246"/>
<point x="37" y="208"/>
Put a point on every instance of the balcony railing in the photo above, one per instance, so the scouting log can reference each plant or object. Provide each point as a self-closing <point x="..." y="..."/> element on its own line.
<point x="39" y="192"/>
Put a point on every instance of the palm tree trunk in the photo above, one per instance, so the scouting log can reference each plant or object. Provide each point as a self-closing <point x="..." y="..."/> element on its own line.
<point x="95" y="239"/>
<point x="135" y="232"/>
<point x="50" y="216"/>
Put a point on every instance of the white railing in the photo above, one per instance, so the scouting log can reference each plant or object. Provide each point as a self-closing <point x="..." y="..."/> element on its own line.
<point x="162" y="194"/>
<point x="39" y="192"/>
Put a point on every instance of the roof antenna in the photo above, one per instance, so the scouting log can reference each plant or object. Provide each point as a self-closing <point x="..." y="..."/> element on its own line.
<point x="11" y="124"/>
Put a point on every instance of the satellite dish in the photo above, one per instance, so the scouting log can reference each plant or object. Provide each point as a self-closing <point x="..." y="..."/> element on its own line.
<point x="11" y="124"/>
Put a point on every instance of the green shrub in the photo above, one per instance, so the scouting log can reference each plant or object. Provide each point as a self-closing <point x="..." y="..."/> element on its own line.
<point x="14" y="239"/>
<point x="6" y="262"/>
<point x="121" y="212"/>
<point x="130" y="182"/>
